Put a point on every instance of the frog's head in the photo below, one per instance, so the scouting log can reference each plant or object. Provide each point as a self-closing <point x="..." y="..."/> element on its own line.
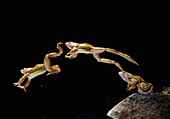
<point x="25" y="70"/>
<point x="125" y="76"/>
<point x="71" y="45"/>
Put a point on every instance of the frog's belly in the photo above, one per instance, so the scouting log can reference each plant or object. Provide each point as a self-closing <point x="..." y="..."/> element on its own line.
<point x="127" y="81"/>
<point x="39" y="72"/>
<point x="84" y="51"/>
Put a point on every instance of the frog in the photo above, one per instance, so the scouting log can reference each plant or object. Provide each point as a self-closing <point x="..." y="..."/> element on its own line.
<point x="136" y="81"/>
<point x="40" y="69"/>
<point x="76" y="48"/>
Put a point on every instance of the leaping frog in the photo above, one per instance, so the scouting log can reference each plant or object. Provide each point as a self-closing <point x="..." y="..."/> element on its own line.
<point x="40" y="69"/>
<point x="85" y="48"/>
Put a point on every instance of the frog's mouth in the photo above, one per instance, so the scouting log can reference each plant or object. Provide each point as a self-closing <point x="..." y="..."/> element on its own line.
<point x="68" y="44"/>
<point x="124" y="77"/>
<point x="25" y="70"/>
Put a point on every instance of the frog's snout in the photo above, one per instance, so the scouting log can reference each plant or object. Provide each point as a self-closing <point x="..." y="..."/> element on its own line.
<point x="121" y="73"/>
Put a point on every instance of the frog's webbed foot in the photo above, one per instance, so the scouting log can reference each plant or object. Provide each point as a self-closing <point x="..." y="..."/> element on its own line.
<point x="22" y="87"/>
<point x="52" y="73"/>
<point x="127" y="89"/>
<point x="60" y="48"/>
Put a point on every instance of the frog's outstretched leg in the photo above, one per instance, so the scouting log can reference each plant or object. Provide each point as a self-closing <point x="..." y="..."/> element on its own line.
<point x="121" y="54"/>
<point x="30" y="76"/>
<point x="21" y="80"/>
<point x="25" y="85"/>
<point x="97" y="57"/>
<point x="47" y="61"/>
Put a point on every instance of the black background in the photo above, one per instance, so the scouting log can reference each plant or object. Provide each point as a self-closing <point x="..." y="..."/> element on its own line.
<point x="84" y="88"/>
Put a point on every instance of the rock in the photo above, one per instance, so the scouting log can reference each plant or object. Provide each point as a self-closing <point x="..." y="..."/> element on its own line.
<point x="140" y="106"/>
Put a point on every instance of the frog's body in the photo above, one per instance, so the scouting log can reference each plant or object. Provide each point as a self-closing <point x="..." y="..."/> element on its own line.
<point x="40" y="69"/>
<point x="85" y="48"/>
<point x="136" y="81"/>
<point x="32" y="70"/>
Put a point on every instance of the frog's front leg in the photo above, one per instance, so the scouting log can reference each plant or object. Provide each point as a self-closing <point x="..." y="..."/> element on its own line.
<point x="18" y="84"/>
<point x="25" y="85"/>
<point x="72" y="54"/>
<point x="131" y="86"/>
<point x="21" y="80"/>
<point x="97" y="57"/>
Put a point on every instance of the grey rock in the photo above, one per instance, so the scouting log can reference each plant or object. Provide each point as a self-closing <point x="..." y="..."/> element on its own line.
<point x="140" y="106"/>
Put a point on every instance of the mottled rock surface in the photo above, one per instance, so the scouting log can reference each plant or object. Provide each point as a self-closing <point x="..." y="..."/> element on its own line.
<point x="139" y="106"/>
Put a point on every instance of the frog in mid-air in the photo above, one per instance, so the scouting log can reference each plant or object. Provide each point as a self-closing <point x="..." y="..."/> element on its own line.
<point x="136" y="81"/>
<point x="85" y="48"/>
<point x="39" y="69"/>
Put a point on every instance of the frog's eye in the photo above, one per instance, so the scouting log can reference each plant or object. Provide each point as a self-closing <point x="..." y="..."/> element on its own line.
<point x="69" y="43"/>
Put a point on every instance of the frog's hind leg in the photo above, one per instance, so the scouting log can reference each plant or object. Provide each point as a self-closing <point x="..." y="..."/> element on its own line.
<point x="122" y="55"/>
<point x="97" y="57"/>
<point x="72" y="54"/>
<point x="21" y="80"/>
<point x="47" y="61"/>
<point x="55" y="69"/>
<point x="148" y="89"/>
<point x="18" y="84"/>
<point x="25" y="85"/>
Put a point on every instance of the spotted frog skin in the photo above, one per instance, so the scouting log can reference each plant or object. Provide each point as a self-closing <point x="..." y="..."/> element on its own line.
<point x="40" y="69"/>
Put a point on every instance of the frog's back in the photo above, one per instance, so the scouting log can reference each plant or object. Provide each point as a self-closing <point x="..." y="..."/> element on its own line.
<point x="37" y="67"/>
<point x="85" y="46"/>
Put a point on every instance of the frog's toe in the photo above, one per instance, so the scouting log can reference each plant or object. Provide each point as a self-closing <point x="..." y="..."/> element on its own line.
<point x="17" y="83"/>
<point x="22" y="87"/>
